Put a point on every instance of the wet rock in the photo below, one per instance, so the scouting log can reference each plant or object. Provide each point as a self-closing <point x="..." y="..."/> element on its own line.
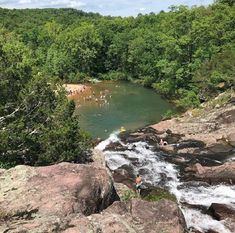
<point x="114" y="146"/>
<point x="190" y="144"/>
<point x="220" y="147"/>
<point x="221" y="211"/>
<point x="215" y="174"/>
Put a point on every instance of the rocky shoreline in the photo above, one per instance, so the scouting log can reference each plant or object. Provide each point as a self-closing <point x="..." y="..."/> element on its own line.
<point x="73" y="198"/>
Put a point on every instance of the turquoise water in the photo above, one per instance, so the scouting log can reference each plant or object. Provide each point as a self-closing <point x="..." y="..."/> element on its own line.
<point x="107" y="106"/>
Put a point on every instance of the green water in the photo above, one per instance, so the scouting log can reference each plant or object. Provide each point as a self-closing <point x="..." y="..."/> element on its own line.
<point x="125" y="104"/>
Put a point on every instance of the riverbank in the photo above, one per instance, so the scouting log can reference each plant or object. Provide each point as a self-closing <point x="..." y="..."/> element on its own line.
<point x="74" y="89"/>
<point x="209" y="130"/>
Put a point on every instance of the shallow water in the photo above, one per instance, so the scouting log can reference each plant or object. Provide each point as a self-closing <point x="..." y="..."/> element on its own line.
<point x="107" y="106"/>
<point x="158" y="172"/>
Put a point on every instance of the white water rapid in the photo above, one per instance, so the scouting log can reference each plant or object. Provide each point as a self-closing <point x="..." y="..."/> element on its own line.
<point x="158" y="172"/>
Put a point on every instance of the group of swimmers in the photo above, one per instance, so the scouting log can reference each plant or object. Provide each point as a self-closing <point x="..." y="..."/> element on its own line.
<point x="77" y="91"/>
<point x="101" y="99"/>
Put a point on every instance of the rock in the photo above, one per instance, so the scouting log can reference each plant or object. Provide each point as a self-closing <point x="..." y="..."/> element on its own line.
<point x="220" y="147"/>
<point x="196" y="168"/>
<point x="58" y="190"/>
<point x="231" y="139"/>
<point x="215" y="174"/>
<point x="168" y="148"/>
<point x="123" y="176"/>
<point x="221" y="211"/>
<point x="227" y="117"/>
<point x="2" y="170"/>
<point x="232" y="100"/>
<point x="201" y="129"/>
<point x="134" y="216"/>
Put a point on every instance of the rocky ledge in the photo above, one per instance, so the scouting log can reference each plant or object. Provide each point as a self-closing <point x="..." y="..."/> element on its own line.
<point x="204" y="131"/>
<point x="75" y="198"/>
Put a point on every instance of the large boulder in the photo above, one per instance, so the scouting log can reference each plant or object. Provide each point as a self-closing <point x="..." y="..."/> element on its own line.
<point x="216" y="174"/>
<point x="132" y="217"/>
<point x="58" y="190"/>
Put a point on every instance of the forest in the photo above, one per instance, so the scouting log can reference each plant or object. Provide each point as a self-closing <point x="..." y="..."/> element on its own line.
<point x="187" y="55"/>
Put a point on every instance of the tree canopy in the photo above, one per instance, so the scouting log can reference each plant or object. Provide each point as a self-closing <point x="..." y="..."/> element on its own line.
<point x="186" y="54"/>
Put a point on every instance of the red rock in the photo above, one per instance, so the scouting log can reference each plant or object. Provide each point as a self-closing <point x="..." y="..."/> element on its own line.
<point x="216" y="174"/>
<point x="133" y="216"/>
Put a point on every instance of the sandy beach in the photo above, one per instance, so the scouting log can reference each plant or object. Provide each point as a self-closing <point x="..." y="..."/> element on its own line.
<point x="74" y="89"/>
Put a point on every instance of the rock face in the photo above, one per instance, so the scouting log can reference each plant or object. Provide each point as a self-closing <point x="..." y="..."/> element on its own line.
<point x="133" y="216"/>
<point x="77" y="198"/>
<point x="199" y="132"/>
<point x="216" y="174"/>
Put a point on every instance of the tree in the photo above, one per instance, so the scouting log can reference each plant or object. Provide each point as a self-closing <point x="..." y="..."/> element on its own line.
<point x="43" y="130"/>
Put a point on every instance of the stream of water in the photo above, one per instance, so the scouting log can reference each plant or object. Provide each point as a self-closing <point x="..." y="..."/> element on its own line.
<point x="153" y="167"/>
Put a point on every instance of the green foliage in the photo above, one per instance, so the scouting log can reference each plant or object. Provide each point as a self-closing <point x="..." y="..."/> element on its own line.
<point x="187" y="55"/>
<point x="128" y="195"/>
<point x="115" y="75"/>
<point x="158" y="194"/>
<point x="189" y="99"/>
<point x="189" y="49"/>
<point x="147" y="81"/>
<point x="169" y="114"/>
<point x="37" y="127"/>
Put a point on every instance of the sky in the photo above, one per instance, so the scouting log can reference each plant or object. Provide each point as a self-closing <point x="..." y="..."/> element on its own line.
<point x="105" y="7"/>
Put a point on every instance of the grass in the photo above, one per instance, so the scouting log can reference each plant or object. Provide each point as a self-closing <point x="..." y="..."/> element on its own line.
<point x="156" y="194"/>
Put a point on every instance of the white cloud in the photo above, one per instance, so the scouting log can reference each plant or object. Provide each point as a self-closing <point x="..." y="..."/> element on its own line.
<point x="142" y="9"/>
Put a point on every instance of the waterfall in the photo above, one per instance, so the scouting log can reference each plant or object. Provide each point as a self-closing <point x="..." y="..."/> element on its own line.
<point x="155" y="166"/>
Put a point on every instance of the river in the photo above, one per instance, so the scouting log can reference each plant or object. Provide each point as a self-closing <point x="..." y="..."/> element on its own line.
<point x="107" y="106"/>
